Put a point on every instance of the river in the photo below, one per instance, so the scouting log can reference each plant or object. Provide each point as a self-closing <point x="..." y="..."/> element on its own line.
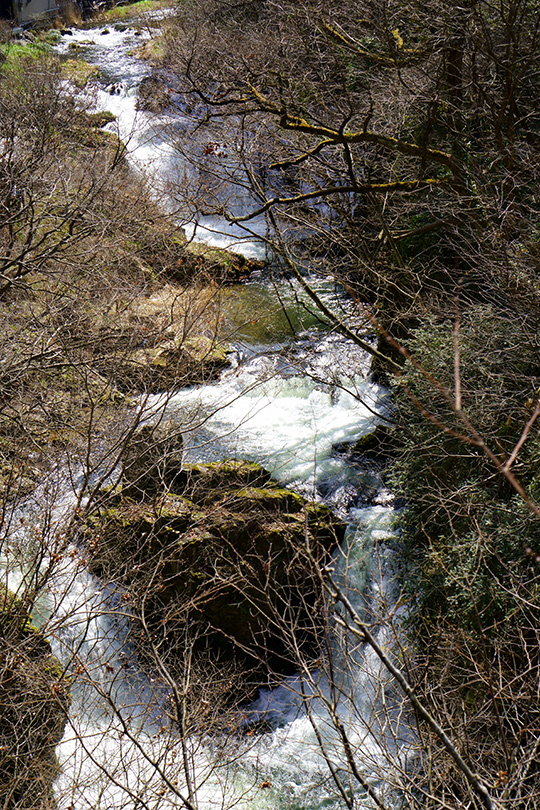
<point x="294" y="400"/>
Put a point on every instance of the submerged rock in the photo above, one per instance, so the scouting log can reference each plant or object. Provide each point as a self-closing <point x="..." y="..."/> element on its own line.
<point x="230" y="560"/>
<point x="34" y="700"/>
<point x="378" y="444"/>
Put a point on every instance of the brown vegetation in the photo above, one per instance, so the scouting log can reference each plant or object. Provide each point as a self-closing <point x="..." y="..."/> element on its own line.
<point x="34" y="699"/>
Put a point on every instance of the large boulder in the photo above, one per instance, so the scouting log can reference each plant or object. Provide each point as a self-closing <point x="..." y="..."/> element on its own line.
<point x="230" y="557"/>
<point x="34" y="699"/>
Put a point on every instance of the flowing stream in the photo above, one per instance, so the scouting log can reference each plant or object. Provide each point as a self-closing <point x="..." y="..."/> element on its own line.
<point x="296" y="397"/>
<point x="152" y="139"/>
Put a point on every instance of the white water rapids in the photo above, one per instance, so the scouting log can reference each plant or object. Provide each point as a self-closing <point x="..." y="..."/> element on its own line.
<point x="150" y="139"/>
<point x="292" y="406"/>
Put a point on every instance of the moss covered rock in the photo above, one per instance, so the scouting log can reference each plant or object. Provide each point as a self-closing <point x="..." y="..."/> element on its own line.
<point x="79" y="72"/>
<point x="172" y="364"/>
<point x="230" y="557"/>
<point x="34" y="699"/>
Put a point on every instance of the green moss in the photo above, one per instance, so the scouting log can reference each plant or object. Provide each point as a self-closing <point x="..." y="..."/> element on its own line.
<point x="79" y="72"/>
<point x="204" y="480"/>
<point x="226" y="259"/>
<point x="201" y="556"/>
<point x="272" y="497"/>
<point x="101" y="119"/>
<point x="15" y="55"/>
<point x="134" y="9"/>
<point x="50" y="37"/>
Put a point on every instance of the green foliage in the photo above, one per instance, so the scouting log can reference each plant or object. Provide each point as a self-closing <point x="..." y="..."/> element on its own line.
<point x="466" y="535"/>
<point x="133" y="9"/>
<point x="14" y="56"/>
<point x="468" y="545"/>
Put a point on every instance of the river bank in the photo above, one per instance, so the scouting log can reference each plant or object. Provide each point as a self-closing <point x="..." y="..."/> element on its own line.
<point x="102" y="297"/>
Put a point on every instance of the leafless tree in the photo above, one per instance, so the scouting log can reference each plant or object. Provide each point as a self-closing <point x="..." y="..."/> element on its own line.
<point x="395" y="144"/>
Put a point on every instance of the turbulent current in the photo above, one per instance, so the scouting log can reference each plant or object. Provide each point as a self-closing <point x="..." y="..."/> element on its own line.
<point x="295" y="403"/>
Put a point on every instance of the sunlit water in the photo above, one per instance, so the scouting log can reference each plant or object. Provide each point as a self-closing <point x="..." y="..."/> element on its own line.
<point x="267" y="410"/>
<point x="151" y="141"/>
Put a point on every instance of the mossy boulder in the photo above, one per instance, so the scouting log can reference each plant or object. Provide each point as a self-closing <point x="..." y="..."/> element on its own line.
<point x="100" y="119"/>
<point x="230" y="557"/>
<point x="218" y="263"/>
<point x="172" y="364"/>
<point x="79" y="72"/>
<point x="34" y="700"/>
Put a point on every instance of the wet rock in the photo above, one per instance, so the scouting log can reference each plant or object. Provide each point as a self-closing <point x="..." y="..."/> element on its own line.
<point x="376" y="445"/>
<point x="171" y="365"/>
<point x="200" y="482"/>
<point x="100" y="119"/>
<point x="216" y="264"/>
<point x="153" y="95"/>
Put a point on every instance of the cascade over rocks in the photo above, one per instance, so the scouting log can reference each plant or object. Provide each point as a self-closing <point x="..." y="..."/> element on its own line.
<point x="226" y="555"/>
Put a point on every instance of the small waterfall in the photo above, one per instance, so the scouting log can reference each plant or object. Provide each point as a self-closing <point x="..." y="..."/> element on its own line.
<point x="265" y="409"/>
<point x="269" y="412"/>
